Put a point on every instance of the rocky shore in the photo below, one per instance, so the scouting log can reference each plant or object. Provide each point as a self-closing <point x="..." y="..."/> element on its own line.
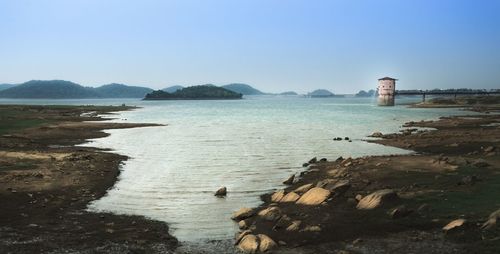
<point x="441" y="199"/>
<point x="46" y="183"/>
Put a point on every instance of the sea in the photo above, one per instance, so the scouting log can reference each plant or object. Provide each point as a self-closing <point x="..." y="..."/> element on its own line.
<point x="249" y="146"/>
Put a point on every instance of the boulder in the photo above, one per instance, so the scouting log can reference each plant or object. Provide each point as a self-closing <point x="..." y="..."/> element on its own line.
<point x="489" y="149"/>
<point x="240" y="236"/>
<point x="272" y="213"/>
<point x="304" y="188"/>
<point x="492" y="220"/>
<point x="313" y="160"/>
<point x="243" y="224"/>
<point x="377" y="134"/>
<point x="314" y="196"/>
<point x="249" y="244"/>
<point x="340" y="187"/>
<point x="266" y="243"/>
<point x="312" y="229"/>
<point x="221" y="192"/>
<point x="346" y="138"/>
<point x="243" y="213"/>
<point x="400" y="212"/>
<point x="377" y="199"/>
<point x="454" y="225"/>
<point x="289" y="180"/>
<point x="305" y="164"/>
<point x="480" y="163"/>
<point x="290" y="197"/>
<point x="277" y="196"/>
<point x="358" y="197"/>
<point x="295" y="226"/>
<point x="283" y="222"/>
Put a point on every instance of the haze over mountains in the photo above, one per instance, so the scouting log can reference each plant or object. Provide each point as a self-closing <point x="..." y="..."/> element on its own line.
<point x="61" y="89"/>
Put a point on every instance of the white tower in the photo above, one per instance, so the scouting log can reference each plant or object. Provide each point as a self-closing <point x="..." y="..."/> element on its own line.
<point x="386" y="91"/>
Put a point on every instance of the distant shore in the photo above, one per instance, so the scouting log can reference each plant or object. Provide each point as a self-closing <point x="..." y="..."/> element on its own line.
<point x="393" y="204"/>
<point x="47" y="183"/>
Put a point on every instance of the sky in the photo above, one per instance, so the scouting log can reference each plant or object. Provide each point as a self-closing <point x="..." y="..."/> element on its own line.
<point x="273" y="45"/>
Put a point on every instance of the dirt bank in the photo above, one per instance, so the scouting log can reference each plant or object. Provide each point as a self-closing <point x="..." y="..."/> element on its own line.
<point x="46" y="184"/>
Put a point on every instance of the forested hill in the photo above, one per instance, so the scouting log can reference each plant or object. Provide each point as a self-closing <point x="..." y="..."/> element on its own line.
<point x="204" y="92"/>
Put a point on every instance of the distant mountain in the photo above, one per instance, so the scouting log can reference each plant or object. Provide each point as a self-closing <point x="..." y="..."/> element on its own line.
<point x="321" y="93"/>
<point x="243" y="89"/>
<point x="204" y="92"/>
<point x="288" y="93"/>
<point x="364" y="93"/>
<point x="122" y="91"/>
<point x="50" y="89"/>
<point x="172" y="89"/>
<point x="5" y="86"/>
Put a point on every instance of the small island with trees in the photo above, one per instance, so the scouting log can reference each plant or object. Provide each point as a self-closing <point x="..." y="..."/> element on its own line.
<point x="203" y="92"/>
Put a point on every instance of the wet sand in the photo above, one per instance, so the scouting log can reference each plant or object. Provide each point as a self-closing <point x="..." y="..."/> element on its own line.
<point x="46" y="184"/>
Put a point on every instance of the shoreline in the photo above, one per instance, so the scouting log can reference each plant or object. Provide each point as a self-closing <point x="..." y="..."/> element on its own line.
<point x="321" y="212"/>
<point x="47" y="183"/>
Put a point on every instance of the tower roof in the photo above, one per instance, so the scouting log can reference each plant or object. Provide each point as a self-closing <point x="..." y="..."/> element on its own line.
<point x="387" y="78"/>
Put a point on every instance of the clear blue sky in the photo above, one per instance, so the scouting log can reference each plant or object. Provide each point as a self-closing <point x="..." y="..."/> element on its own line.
<point x="274" y="45"/>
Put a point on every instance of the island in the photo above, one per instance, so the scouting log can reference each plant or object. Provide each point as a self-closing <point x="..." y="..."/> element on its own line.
<point x="203" y="92"/>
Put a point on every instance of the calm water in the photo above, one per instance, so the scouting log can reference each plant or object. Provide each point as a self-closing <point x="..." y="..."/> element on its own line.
<point x="250" y="146"/>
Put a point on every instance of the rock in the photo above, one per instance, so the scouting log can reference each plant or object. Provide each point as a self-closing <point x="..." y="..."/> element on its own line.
<point x="359" y="197"/>
<point x="290" y="197"/>
<point x="222" y="192"/>
<point x="340" y="187"/>
<point x="400" y="212"/>
<point x="277" y="196"/>
<point x="314" y="196"/>
<point x="377" y="199"/>
<point x="339" y="159"/>
<point x="242" y="224"/>
<point x="249" y="244"/>
<point x="304" y="188"/>
<point x="480" y="163"/>
<point x="377" y="134"/>
<point x="424" y="208"/>
<point x="243" y="213"/>
<point x="295" y="226"/>
<point x="266" y="243"/>
<point x="312" y="229"/>
<point x="289" y="180"/>
<point x="283" y="222"/>
<point x="241" y="235"/>
<point x="271" y="213"/>
<point x="323" y="160"/>
<point x="492" y="220"/>
<point x="356" y="241"/>
<point x="346" y="138"/>
<point x="489" y="149"/>
<point x="454" y="225"/>
<point x="468" y="180"/>
<point x="313" y="160"/>
<point x="305" y="164"/>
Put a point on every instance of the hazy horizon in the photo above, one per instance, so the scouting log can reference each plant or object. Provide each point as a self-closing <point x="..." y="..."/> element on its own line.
<point x="342" y="46"/>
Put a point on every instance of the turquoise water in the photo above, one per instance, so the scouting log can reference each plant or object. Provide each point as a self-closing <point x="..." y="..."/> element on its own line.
<point x="250" y="146"/>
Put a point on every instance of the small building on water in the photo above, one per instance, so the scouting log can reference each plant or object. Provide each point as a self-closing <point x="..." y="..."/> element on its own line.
<point x="386" y="91"/>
